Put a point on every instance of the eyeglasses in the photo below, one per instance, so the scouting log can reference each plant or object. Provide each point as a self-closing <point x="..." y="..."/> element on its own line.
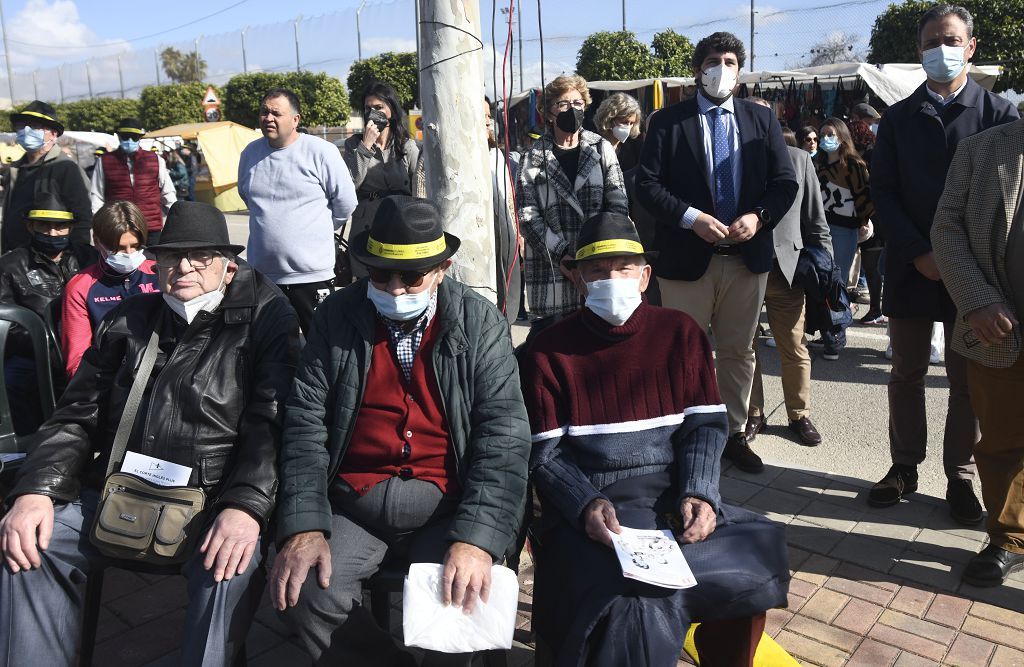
<point x="198" y="259"/>
<point x="409" y="278"/>
<point x="564" y="105"/>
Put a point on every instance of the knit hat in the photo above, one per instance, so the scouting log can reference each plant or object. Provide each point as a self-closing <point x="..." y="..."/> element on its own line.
<point x="192" y="224"/>
<point x="608" y="235"/>
<point x="48" y="207"/>
<point x="406" y="235"/>
<point x="37" y="111"/>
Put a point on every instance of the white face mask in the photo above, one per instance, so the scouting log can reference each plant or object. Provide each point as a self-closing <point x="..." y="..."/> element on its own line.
<point x="126" y="262"/>
<point x="401" y="308"/>
<point x="209" y="302"/>
<point x="621" y="132"/>
<point x="718" y="81"/>
<point x="614" y="299"/>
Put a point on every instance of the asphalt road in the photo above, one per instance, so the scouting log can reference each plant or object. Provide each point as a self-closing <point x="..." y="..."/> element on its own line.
<point x="849" y="406"/>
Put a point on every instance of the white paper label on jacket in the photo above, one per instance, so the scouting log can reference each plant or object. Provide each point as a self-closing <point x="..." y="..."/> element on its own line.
<point x="156" y="470"/>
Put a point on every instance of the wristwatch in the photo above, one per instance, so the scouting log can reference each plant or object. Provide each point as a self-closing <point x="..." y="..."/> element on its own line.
<point x="763" y="214"/>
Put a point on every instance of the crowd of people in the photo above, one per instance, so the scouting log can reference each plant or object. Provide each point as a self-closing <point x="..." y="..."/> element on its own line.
<point x="239" y="417"/>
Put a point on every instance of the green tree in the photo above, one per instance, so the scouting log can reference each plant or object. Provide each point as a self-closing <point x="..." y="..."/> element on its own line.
<point x="997" y="25"/>
<point x="616" y="56"/>
<point x="187" y="67"/>
<point x="171" y="104"/>
<point x="99" y="114"/>
<point x="674" y="53"/>
<point x="322" y="97"/>
<point x="398" y="69"/>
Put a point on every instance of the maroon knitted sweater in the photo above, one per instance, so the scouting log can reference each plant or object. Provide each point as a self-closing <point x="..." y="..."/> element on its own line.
<point x="609" y="403"/>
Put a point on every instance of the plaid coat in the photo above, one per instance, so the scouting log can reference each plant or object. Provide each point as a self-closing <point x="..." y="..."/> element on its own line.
<point x="551" y="212"/>
<point x="981" y="199"/>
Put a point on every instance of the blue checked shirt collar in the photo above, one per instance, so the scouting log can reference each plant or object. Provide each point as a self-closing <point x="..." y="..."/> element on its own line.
<point x="704" y="105"/>
<point x="407" y="343"/>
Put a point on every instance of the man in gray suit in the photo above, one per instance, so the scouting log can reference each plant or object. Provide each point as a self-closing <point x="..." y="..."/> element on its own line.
<point x="804" y="223"/>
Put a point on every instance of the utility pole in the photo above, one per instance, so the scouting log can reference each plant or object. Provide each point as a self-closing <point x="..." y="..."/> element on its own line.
<point x="455" y="141"/>
<point x="359" y="33"/>
<point x="60" y="81"/>
<point x="35" y="83"/>
<point x="120" y="75"/>
<point x="295" y="27"/>
<point x="624" y="15"/>
<point x="751" y="35"/>
<point x="245" y="64"/>
<point x="88" y="77"/>
<point x="156" y="64"/>
<point x="198" y="77"/>
<point x="7" y="54"/>
<point x="519" y="20"/>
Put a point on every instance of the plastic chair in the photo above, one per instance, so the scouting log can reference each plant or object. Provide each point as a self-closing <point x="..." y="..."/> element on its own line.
<point x="10" y="314"/>
<point x="94" y="597"/>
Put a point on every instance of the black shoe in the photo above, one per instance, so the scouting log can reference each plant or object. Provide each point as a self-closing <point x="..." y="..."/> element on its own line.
<point x="899" y="481"/>
<point x="963" y="504"/>
<point x="755" y="424"/>
<point x="805" y="431"/>
<point x="992" y="566"/>
<point x="742" y="456"/>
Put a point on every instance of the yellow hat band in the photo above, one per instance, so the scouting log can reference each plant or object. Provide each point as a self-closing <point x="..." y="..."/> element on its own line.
<point x="611" y="245"/>
<point x="405" y="251"/>
<point x="130" y="130"/>
<point x="43" y="213"/>
<point x="37" y="115"/>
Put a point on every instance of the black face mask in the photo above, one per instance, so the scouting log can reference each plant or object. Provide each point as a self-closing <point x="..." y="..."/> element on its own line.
<point x="570" y="120"/>
<point x="378" y="118"/>
<point x="50" y="245"/>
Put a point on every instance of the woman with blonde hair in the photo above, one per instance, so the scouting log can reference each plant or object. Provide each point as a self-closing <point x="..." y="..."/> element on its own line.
<point x="568" y="175"/>
<point x="119" y="233"/>
<point x="619" y="119"/>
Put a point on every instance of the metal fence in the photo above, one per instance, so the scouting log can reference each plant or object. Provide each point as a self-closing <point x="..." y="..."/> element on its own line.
<point x="331" y="42"/>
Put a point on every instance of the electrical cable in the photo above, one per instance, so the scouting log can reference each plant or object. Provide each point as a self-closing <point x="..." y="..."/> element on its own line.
<point x="508" y="160"/>
<point x="460" y="53"/>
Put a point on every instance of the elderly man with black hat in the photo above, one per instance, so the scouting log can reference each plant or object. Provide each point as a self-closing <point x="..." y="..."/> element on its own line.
<point x="43" y="168"/>
<point x="130" y="174"/>
<point x="219" y="345"/>
<point x="405" y="438"/>
<point x="628" y="430"/>
<point x="34" y="276"/>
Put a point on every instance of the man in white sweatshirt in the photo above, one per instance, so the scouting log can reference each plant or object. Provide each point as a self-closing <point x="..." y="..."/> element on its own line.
<point x="299" y="193"/>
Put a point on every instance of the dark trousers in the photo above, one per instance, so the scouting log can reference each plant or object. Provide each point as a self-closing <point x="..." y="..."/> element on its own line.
<point x="305" y="297"/>
<point x="23" y="394"/>
<point x="404" y="521"/>
<point x="908" y="423"/>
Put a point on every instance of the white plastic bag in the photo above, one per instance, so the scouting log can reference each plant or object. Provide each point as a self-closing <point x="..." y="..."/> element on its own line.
<point x="428" y="624"/>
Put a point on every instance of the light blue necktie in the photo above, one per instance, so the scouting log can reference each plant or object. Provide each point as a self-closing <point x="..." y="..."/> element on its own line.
<point x="725" y="190"/>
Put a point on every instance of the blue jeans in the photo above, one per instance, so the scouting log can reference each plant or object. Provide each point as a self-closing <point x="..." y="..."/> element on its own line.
<point x="844" y="247"/>
<point x="40" y="610"/>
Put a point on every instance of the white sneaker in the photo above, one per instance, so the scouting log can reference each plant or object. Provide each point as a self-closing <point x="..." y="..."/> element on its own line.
<point x="936" y="356"/>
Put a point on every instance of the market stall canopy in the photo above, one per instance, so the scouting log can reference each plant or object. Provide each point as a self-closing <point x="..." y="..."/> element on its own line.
<point x="890" y="82"/>
<point x="189" y="131"/>
<point x="222" y="144"/>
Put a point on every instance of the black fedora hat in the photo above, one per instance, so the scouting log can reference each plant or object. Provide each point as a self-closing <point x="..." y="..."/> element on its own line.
<point x="130" y="126"/>
<point x="608" y="235"/>
<point x="192" y="224"/>
<point x="406" y="235"/>
<point x="48" y="207"/>
<point x="37" y="111"/>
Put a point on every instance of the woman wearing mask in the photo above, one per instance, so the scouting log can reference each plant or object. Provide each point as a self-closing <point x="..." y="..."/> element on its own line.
<point x="119" y="231"/>
<point x="618" y="120"/>
<point x="383" y="158"/>
<point x="33" y="276"/>
<point x="843" y="176"/>
<point x="807" y="139"/>
<point x="567" y="176"/>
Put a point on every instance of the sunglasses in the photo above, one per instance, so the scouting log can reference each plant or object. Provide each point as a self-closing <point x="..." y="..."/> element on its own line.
<point x="408" y="278"/>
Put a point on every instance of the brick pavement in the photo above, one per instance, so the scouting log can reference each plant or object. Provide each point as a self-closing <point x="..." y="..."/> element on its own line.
<point x="871" y="587"/>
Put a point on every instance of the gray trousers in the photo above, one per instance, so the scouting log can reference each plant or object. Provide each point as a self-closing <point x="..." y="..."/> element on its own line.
<point x="908" y="423"/>
<point x="40" y="610"/>
<point x="404" y="521"/>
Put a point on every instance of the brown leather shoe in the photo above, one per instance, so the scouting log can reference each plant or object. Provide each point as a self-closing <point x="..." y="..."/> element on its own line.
<point x="755" y="424"/>
<point x="805" y="430"/>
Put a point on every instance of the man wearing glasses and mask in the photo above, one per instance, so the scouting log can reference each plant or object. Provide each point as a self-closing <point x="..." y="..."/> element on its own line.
<point x="406" y="437"/>
<point x="226" y="342"/>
